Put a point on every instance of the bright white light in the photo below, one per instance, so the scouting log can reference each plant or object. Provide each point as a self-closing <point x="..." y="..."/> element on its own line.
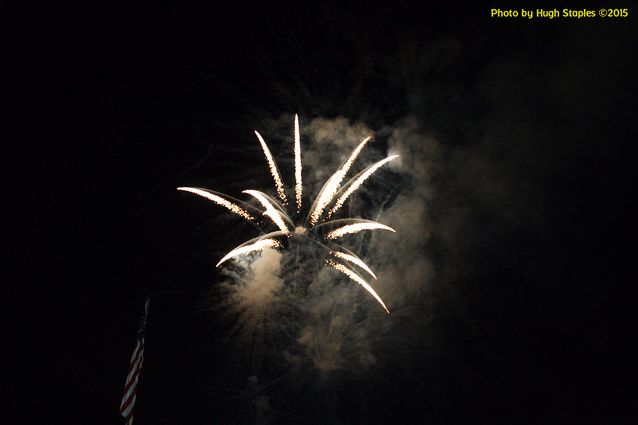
<point x="275" y="211"/>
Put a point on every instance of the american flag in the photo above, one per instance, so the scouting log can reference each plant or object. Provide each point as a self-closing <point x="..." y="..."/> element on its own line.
<point x="134" y="371"/>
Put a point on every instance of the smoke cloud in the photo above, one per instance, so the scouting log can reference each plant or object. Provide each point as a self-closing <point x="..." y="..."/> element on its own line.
<point x="335" y="324"/>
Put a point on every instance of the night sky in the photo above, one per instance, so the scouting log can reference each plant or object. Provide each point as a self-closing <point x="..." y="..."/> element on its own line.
<point x="525" y="317"/>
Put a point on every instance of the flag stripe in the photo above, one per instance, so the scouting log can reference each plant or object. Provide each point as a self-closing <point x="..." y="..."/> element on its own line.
<point x="134" y="372"/>
<point x="129" y="392"/>
<point x="130" y="387"/>
<point x="125" y="409"/>
<point x="129" y="409"/>
<point x="134" y="356"/>
<point x="133" y="381"/>
<point x="134" y="365"/>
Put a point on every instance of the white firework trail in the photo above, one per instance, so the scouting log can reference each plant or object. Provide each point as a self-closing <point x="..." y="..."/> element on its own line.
<point x="354" y="155"/>
<point x="352" y="275"/>
<point x="356" y="228"/>
<point x="298" y="182"/>
<point x="325" y="196"/>
<point x="354" y="260"/>
<point x="358" y="182"/>
<point x="330" y="189"/>
<point x="245" y="249"/>
<point x="308" y="229"/>
<point x="272" y="165"/>
<point x="219" y="201"/>
<point x="271" y="212"/>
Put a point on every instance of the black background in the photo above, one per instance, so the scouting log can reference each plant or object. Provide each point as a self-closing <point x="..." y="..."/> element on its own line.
<point x="113" y="106"/>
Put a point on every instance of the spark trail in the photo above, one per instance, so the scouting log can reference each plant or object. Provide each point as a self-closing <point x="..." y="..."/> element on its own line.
<point x="358" y="181"/>
<point x="352" y="275"/>
<point x="356" y="228"/>
<point x="354" y="260"/>
<point x="279" y="184"/>
<point x="219" y="201"/>
<point x="298" y="182"/>
<point x="246" y="249"/>
<point x="328" y="192"/>
<point x="271" y="211"/>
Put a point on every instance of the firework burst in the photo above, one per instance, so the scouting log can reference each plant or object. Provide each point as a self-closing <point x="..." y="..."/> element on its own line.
<point x="317" y="227"/>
